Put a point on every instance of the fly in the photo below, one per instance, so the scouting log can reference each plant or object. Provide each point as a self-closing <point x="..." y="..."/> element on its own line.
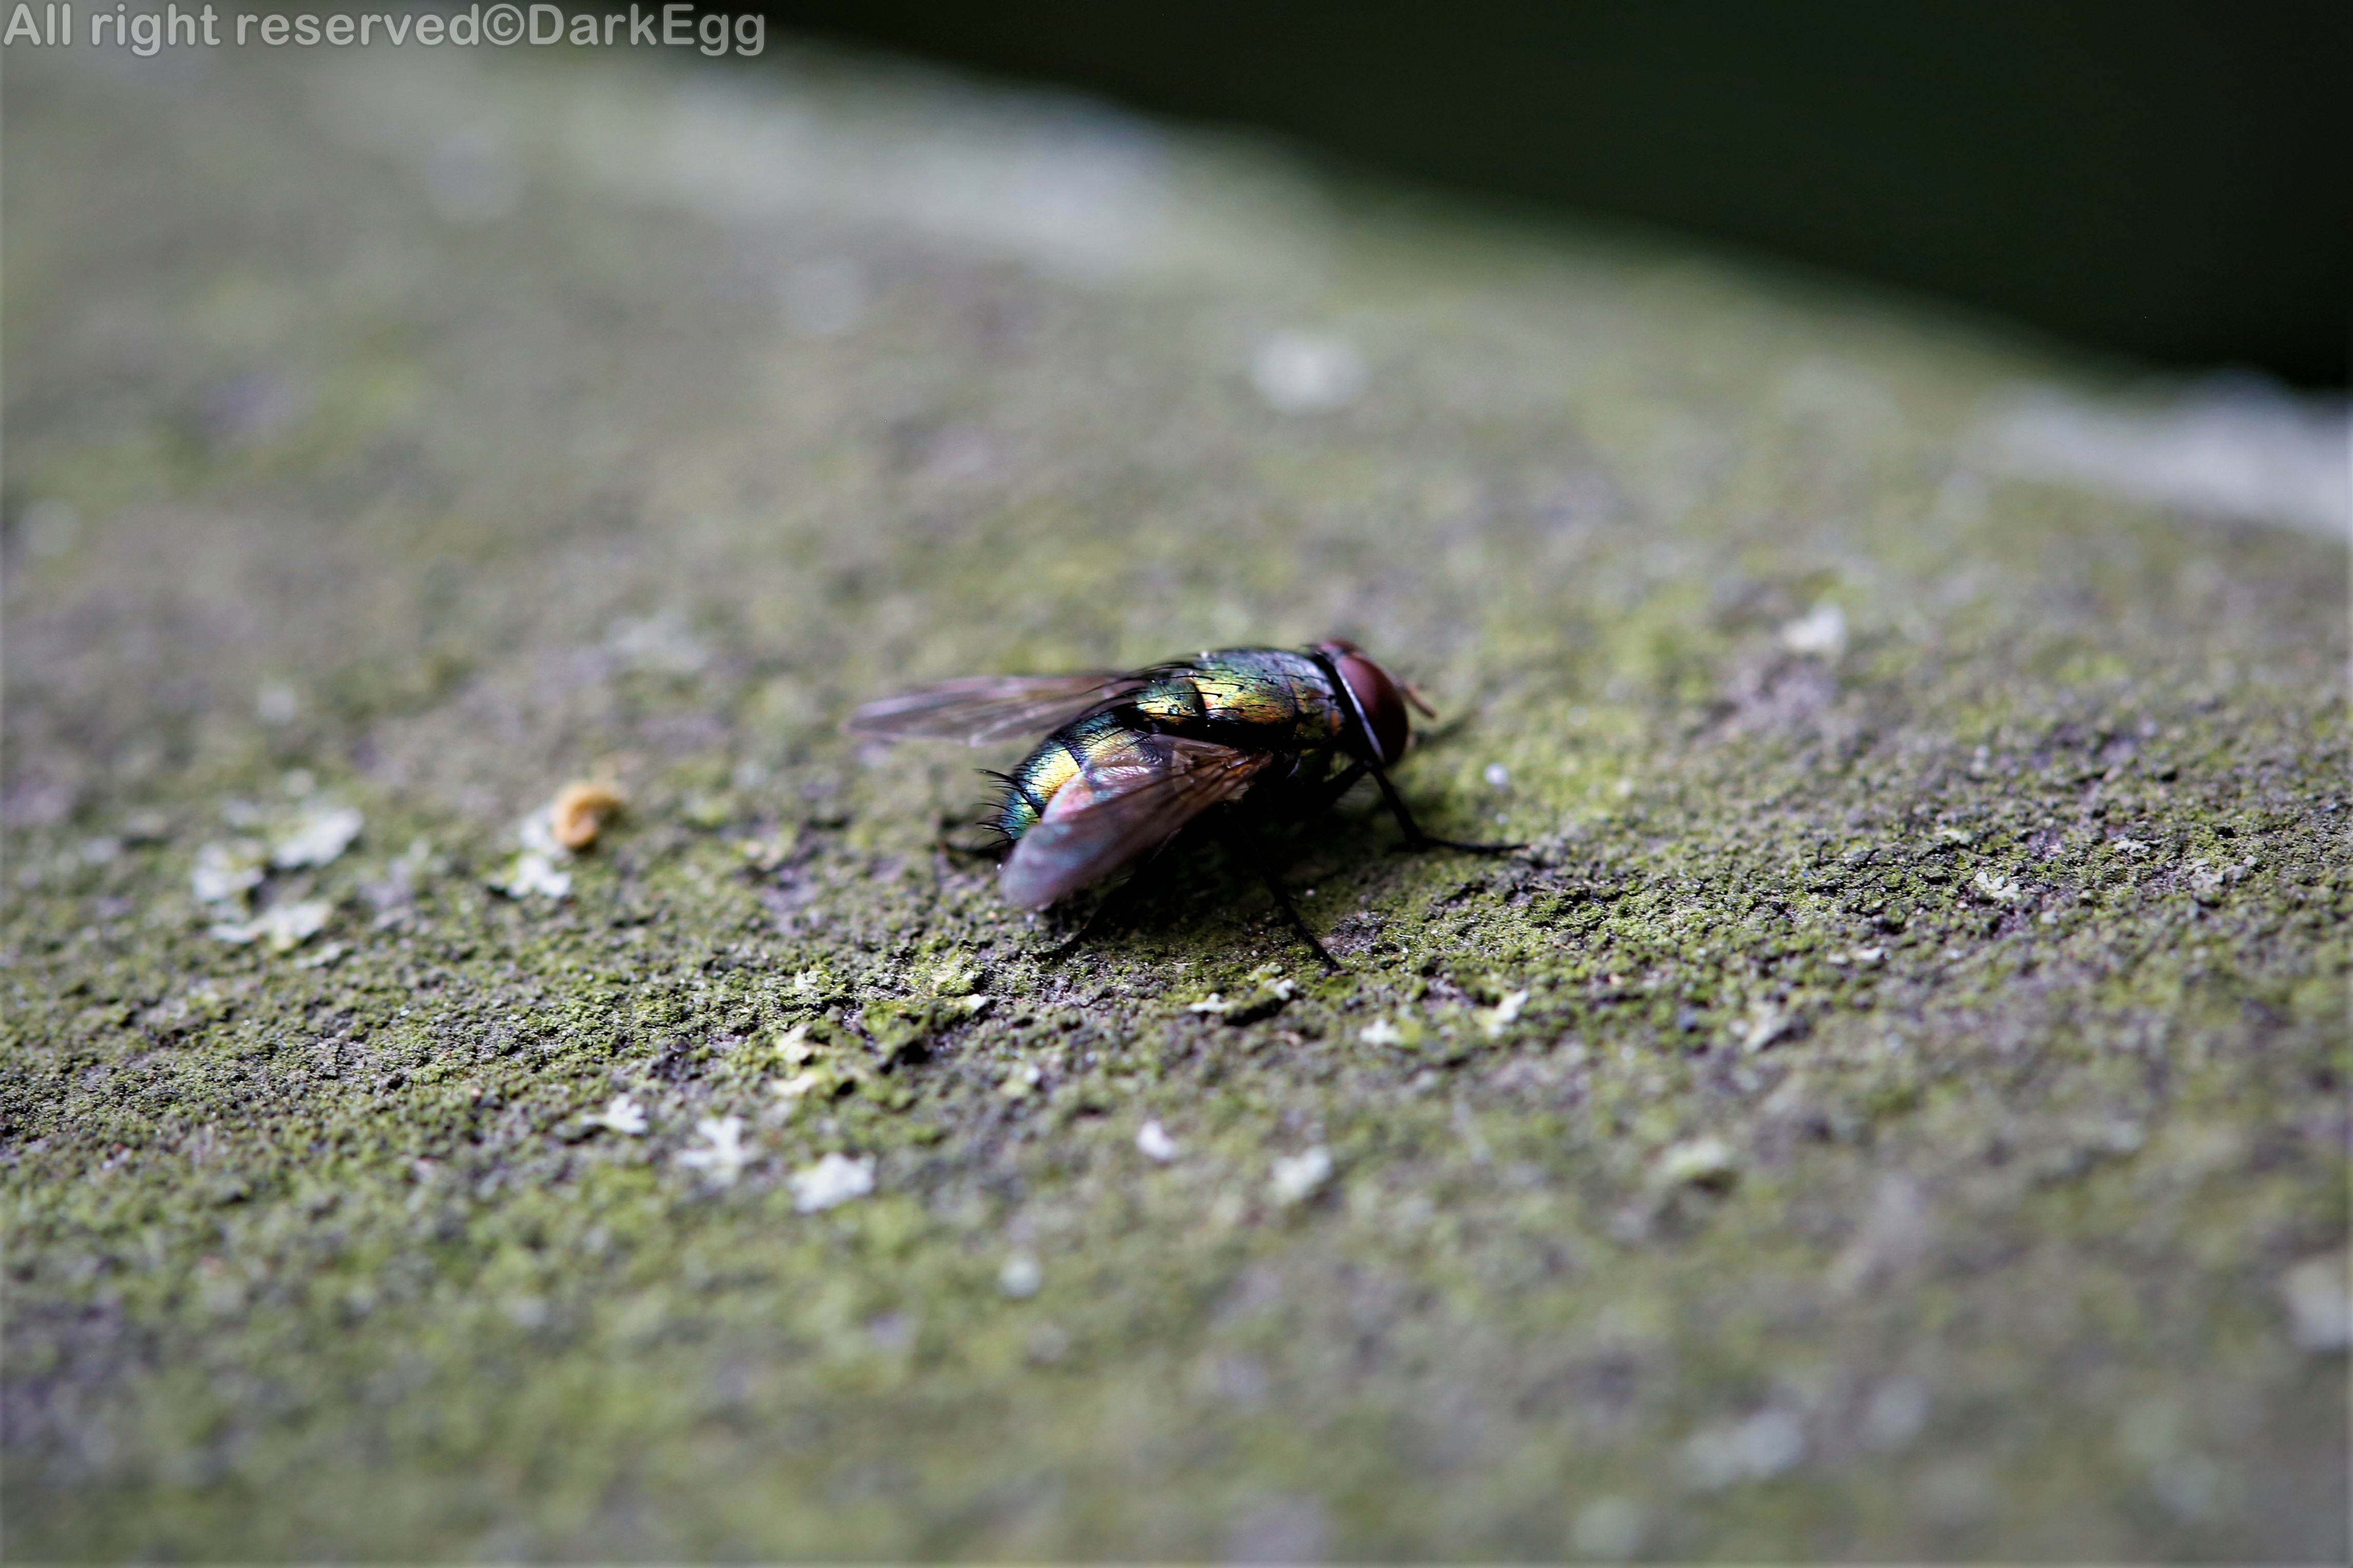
<point x="1131" y="759"/>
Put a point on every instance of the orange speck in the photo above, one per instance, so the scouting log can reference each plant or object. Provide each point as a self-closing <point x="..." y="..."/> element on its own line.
<point x="581" y="810"/>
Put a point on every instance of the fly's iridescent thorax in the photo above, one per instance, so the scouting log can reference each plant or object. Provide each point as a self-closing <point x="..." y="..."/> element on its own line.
<point x="1281" y="698"/>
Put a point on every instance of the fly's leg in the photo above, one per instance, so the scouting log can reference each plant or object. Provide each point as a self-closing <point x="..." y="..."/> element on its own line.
<point x="1245" y="847"/>
<point x="1120" y="895"/>
<point x="1333" y="791"/>
<point x="1117" y="900"/>
<point x="1291" y="913"/>
<point x="993" y="847"/>
<point x="1415" y="839"/>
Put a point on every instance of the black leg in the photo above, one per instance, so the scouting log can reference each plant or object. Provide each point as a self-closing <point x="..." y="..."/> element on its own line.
<point x="1291" y="913"/>
<point x="1334" y="790"/>
<point x="1415" y="839"/>
<point x="1246" y="845"/>
<point x="1118" y="899"/>
<point x="1069" y="944"/>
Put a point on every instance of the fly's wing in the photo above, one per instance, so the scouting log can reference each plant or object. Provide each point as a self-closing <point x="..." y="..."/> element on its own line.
<point x="1121" y="804"/>
<point x="981" y="708"/>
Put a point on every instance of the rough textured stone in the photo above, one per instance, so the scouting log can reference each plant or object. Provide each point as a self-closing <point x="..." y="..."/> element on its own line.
<point x="1953" y="859"/>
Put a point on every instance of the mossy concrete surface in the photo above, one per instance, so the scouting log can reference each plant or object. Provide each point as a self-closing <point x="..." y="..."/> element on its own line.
<point x="1892" y="1109"/>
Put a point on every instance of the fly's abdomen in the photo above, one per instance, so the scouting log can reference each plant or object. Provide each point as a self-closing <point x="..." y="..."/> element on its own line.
<point x="1045" y="773"/>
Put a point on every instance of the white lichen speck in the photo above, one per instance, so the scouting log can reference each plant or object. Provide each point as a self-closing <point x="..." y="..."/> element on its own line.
<point x="624" y="1116"/>
<point x="1494" y="1021"/>
<point x="1152" y="1141"/>
<point x="1299" y="1177"/>
<point x="1766" y="1023"/>
<point x="1021" y="1277"/>
<point x="2319" y="1296"/>
<point x="1995" y="887"/>
<point x="789" y="1090"/>
<point x="795" y="1046"/>
<point x="533" y="872"/>
<point x="722" y="1155"/>
<point x="1822" y="632"/>
<point x="832" y="1181"/>
<point x="284" y="927"/>
<point x="1307" y="373"/>
<point x="225" y="873"/>
<point x="1764" y="1444"/>
<point x="1703" y="1161"/>
<point x="317" y="837"/>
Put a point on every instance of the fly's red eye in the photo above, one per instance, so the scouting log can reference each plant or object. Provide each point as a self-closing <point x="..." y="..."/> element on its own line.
<point x="1378" y="699"/>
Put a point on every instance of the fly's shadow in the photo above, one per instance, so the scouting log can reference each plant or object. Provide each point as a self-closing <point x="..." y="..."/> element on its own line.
<point x="1178" y="884"/>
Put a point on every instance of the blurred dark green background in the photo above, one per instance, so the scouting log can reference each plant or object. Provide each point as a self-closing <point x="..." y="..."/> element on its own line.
<point x="2166" y="180"/>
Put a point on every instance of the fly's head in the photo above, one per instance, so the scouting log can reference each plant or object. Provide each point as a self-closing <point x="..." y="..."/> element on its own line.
<point x="1378" y="698"/>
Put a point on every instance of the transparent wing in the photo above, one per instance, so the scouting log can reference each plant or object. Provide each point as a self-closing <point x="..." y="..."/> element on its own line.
<point x="981" y="708"/>
<point x="1125" y="802"/>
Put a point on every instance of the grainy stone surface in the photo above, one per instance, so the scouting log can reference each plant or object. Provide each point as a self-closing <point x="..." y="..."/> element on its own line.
<point x="1893" y="1109"/>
